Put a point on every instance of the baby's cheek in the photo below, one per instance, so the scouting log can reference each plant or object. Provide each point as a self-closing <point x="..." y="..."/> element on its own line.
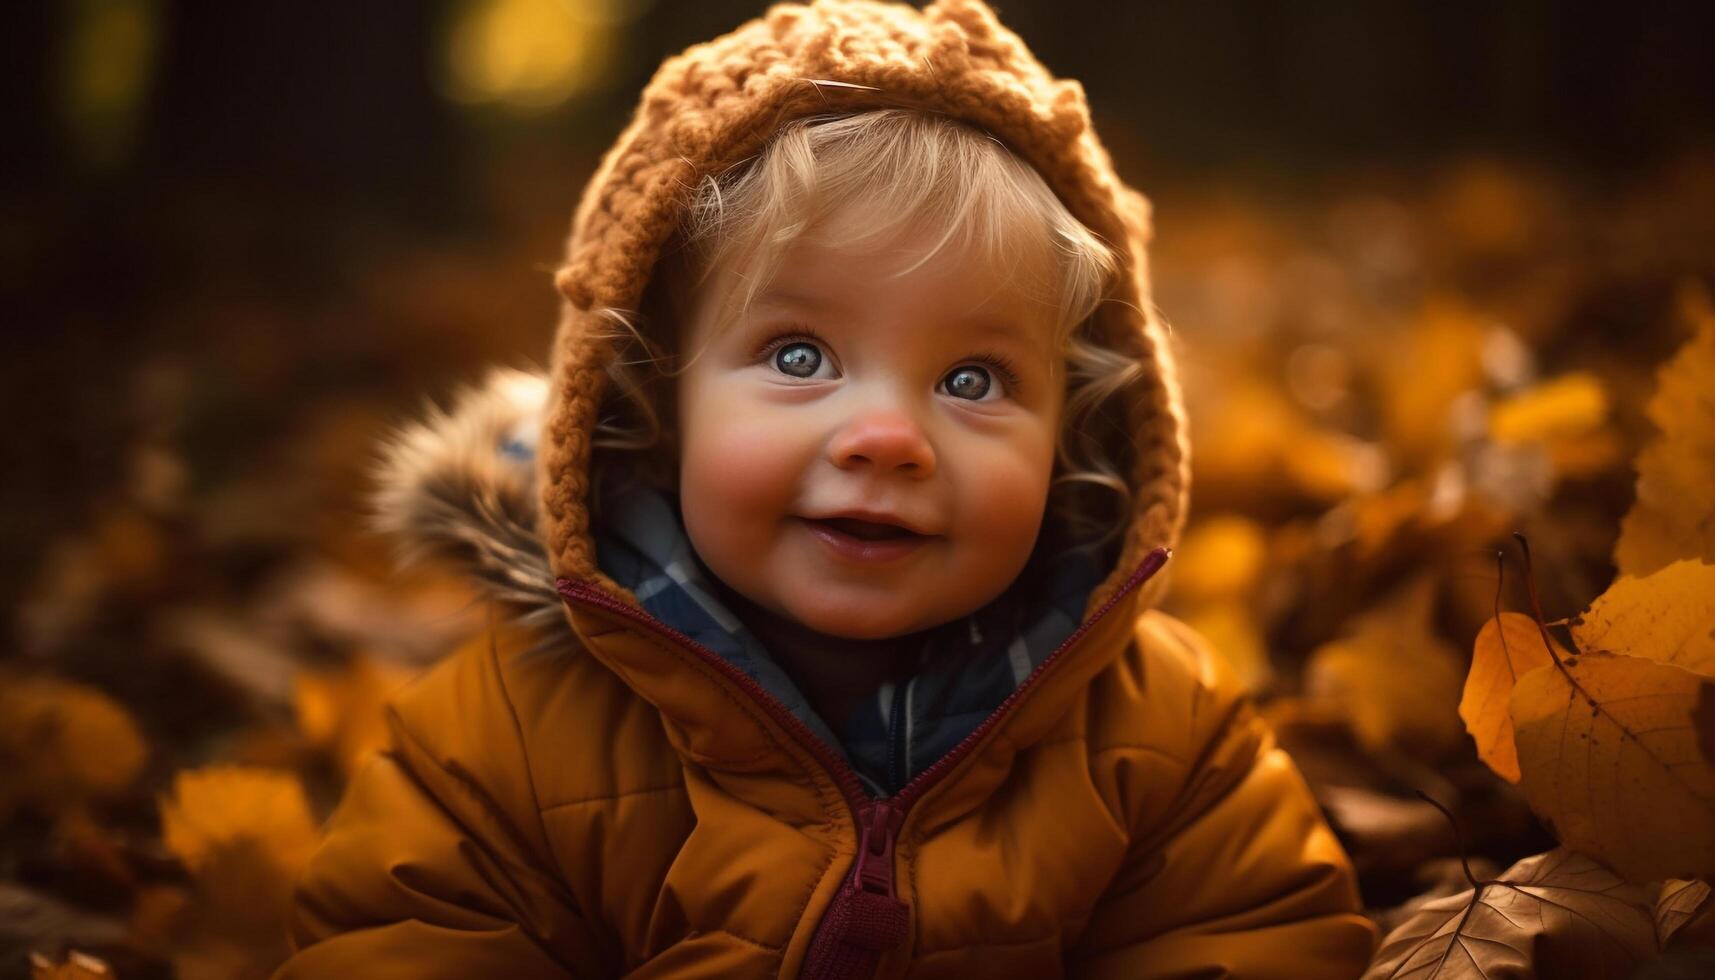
<point x="1001" y="510"/>
<point x="737" y="480"/>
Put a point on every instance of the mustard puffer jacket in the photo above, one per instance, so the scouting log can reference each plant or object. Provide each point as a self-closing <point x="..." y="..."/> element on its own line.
<point x="536" y="816"/>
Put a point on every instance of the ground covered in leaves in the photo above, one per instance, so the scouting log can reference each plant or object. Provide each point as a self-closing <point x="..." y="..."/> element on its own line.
<point x="1386" y="380"/>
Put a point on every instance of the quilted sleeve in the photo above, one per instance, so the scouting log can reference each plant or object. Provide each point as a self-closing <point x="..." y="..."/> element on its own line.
<point x="1235" y="874"/>
<point x="432" y="865"/>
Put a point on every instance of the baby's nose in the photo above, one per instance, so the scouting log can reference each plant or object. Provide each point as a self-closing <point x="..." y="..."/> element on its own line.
<point x="889" y="440"/>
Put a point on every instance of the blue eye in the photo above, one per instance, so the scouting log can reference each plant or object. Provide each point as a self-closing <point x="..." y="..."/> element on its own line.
<point x="970" y="382"/>
<point x="798" y="359"/>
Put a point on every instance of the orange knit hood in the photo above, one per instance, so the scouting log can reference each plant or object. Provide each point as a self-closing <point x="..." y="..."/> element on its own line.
<point x="718" y="103"/>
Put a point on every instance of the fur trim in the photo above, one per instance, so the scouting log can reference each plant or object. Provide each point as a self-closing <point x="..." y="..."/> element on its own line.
<point x="459" y="486"/>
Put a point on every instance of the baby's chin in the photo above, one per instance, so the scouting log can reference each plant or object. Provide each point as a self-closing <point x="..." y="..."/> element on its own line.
<point x="869" y="622"/>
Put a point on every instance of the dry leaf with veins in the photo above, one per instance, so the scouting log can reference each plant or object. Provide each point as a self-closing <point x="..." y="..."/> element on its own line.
<point x="1668" y="616"/>
<point x="1557" y="915"/>
<point x="1679" y="903"/>
<point x="1509" y="646"/>
<point x="1610" y="760"/>
<point x="1674" y="515"/>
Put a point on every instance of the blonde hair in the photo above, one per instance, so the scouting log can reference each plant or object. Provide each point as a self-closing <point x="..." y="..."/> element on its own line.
<point x="913" y="171"/>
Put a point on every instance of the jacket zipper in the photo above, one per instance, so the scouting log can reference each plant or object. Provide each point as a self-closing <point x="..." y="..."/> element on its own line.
<point x="866" y="918"/>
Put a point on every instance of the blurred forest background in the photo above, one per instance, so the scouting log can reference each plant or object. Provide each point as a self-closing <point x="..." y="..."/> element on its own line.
<point x="1423" y="260"/>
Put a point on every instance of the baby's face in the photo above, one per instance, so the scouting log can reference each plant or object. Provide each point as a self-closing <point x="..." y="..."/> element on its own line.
<point x="844" y="388"/>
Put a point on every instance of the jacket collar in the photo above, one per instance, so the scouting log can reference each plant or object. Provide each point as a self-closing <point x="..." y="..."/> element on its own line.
<point x="966" y="668"/>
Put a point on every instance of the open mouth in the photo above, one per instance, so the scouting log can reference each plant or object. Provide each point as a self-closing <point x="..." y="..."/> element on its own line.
<point x="866" y="530"/>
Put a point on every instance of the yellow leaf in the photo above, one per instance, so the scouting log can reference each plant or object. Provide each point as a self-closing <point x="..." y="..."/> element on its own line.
<point x="1332" y="465"/>
<point x="1668" y="616"/>
<point x="221" y="808"/>
<point x="1221" y="556"/>
<point x="1395" y="682"/>
<point x="341" y="711"/>
<point x="1567" y="406"/>
<point x="1609" y="759"/>
<point x="1233" y="633"/>
<point x="1674" y="514"/>
<point x="1423" y="374"/>
<point x="62" y="743"/>
<point x="1507" y="648"/>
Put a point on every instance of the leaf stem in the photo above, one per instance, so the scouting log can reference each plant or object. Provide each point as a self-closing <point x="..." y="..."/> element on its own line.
<point x="1536" y="607"/>
<point x="1458" y="834"/>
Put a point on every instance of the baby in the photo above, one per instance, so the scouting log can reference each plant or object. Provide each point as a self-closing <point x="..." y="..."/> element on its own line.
<point x="828" y="651"/>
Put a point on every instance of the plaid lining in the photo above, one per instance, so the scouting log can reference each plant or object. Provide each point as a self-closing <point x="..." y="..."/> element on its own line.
<point x="967" y="667"/>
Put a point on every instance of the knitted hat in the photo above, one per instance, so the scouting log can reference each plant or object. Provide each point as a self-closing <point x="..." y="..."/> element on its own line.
<point x="718" y="103"/>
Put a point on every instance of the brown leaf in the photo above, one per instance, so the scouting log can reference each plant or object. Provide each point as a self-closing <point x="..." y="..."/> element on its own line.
<point x="1668" y="615"/>
<point x="1555" y="915"/>
<point x="1609" y="759"/>
<point x="1674" y="514"/>
<point x="1508" y="647"/>
<point x="1385" y="832"/>
<point x="1678" y="903"/>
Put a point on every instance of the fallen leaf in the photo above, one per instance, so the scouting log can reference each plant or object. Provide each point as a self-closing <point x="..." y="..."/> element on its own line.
<point x="1668" y="615"/>
<point x="1394" y="680"/>
<point x="1565" y="407"/>
<point x="1554" y="915"/>
<point x="244" y="834"/>
<point x="1233" y="633"/>
<point x="1385" y="832"/>
<point x="1678" y="903"/>
<point x="77" y="966"/>
<point x="1674" y="514"/>
<point x="62" y="743"/>
<point x="223" y="807"/>
<point x="1508" y="647"/>
<point x="1223" y="556"/>
<point x="1423" y="373"/>
<point x="1609" y="760"/>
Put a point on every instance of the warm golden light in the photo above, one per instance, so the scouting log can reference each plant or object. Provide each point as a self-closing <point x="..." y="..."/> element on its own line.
<point x="530" y="54"/>
<point x="105" y="67"/>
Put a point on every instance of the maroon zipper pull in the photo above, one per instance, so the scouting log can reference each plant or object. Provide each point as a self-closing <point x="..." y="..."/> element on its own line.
<point x="874" y="872"/>
<point x="866" y="918"/>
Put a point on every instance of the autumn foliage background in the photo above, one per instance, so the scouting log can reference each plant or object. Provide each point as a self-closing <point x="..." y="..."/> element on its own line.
<point x="1424" y="266"/>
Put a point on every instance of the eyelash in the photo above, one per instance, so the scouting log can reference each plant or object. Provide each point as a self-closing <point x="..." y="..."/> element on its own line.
<point x="994" y="360"/>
